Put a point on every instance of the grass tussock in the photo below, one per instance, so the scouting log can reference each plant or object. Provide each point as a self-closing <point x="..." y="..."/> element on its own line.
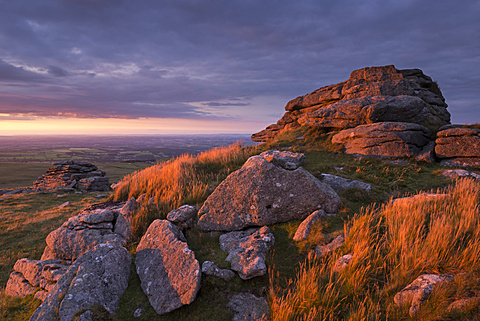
<point x="186" y="179"/>
<point x="391" y="245"/>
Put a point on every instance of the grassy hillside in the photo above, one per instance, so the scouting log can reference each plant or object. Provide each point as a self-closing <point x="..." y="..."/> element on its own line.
<point x="391" y="245"/>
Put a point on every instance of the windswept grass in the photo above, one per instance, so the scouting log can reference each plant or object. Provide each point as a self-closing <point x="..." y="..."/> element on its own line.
<point x="186" y="179"/>
<point x="391" y="244"/>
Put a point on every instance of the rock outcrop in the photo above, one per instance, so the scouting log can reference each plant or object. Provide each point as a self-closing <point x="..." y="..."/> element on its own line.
<point x="247" y="250"/>
<point x="73" y="174"/>
<point x="261" y="193"/>
<point x="29" y="275"/>
<point x="370" y="95"/>
<point x="98" y="277"/>
<point x="458" y="146"/>
<point x="419" y="290"/>
<point x="169" y="273"/>
<point x="103" y="223"/>
<point x="384" y="140"/>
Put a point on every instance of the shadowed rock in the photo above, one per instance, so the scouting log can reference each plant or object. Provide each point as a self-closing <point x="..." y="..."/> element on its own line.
<point x="169" y="273"/>
<point x="284" y="159"/>
<point x="248" y="307"/>
<point x="322" y="250"/>
<point x="210" y="268"/>
<point x="338" y="183"/>
<point x="98" y="277"/>
<point x="183" y="216"/>
<point x="304" y="228"/>
<point x="247" y="250"/>
<point x="370" y="95"/>
<point x="261" y="193"/>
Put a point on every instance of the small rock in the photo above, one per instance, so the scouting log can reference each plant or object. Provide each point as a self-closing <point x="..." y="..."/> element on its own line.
<point x="138" y="312"/>
<point x="419" y="290"/>
<point x="183" y="216"/>
<point x="100" y="195"/>
<point x="303" y="229"/>
<point x="248" y="307"/>
<point x="322" y="250"/>
<point x="210" y="268"/>
<point x="457" y="173"/>
<point x="404" y="201"/>
<point x="427" y="154"/>
<point x="338" y="183"/>
<point x="342" y="262"/>
<point x="284" y="159"/>
<point x="63" y="205"/>
<point x="247" y="251"/>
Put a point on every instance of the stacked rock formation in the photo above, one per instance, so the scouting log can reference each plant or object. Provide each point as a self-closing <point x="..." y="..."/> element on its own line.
<point x="458" y="145"/>
<point x="370" y="95"/>
<point x="73" y="174"/>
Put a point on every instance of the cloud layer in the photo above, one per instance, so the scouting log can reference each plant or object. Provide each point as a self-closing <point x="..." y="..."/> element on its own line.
<point x="223" y="59"/>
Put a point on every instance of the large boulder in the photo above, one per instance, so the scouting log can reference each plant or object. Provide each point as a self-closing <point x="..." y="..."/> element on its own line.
<point x="169" y="273"/>
<point x="98" y="277"/>
<point x="247" y="250"/>
<point x="81" y="233"/>
<point x="384" y="140"/>
<point x="458" y="146"/>
<point x="370" y="95"/>
<point x="262" y="193"/>
<point x="73" y="174"/>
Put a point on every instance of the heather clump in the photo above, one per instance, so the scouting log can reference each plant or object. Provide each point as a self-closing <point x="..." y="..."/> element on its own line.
<point x="186" y="179"/>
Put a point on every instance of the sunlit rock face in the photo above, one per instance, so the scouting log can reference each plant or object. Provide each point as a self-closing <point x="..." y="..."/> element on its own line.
<point x="262" y="193"/>
<point x="371" y="94"/>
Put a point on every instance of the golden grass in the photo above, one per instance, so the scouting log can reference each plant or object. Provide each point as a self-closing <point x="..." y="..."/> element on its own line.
<point x="186" y="179"/>
<point x="391" y="244"/>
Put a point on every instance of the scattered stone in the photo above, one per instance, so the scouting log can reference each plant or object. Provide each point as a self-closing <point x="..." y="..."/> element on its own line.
<point x="98" y="277"/>
<point x="59" y="196"/>
<point x="261" y="193"/>
<point x="419" y="290"/>
<point x="183" y="216"/>
<point x="247" y="250"/>
<point x="342" y="263"/>
<point x="73" y="174"/>
<point x="322" y="250"/>
<point x="384" y="140"/>
<point x="83" y="232"/>
<point x="458" y="173"/>
<point x="124" y="219"/>
<point x="14" y="192"/>
<point x="284" y="159"/>
<point x="210" y="268"/>
<point x="63" y="205"/>
<point x="169" y="273"/>
<point x="338" y="183"/>
<point x="100" y="195"/>
<point x="370" y="95"/>
<point x="248" y="307"/>
<point x="29" y="275"/>
<point x="303" y="229"/>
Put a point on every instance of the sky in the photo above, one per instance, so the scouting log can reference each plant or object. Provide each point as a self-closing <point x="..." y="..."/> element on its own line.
<point x="198" y="66"/>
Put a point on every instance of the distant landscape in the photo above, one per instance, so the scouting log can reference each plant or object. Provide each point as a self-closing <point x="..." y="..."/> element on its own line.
<point x="24" y="158"/>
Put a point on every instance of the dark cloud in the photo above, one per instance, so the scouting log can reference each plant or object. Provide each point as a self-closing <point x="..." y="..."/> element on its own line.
<point x="187" y="59"/>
